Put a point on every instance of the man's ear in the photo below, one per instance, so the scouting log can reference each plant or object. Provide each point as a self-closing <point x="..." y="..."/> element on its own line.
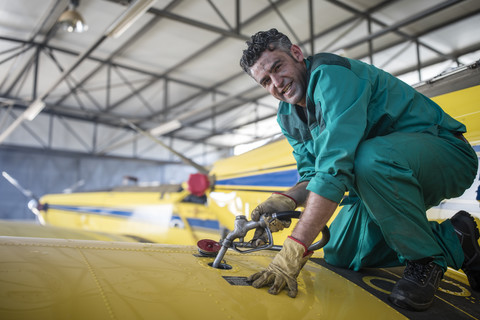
<point x="296" y="52"/>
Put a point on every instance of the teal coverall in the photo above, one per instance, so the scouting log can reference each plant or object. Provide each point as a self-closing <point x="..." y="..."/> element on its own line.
<point x="396" y="152"/>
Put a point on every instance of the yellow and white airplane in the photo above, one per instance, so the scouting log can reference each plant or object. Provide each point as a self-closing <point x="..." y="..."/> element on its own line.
<point x="162" y="214"/>
<point x="91" y="271"/>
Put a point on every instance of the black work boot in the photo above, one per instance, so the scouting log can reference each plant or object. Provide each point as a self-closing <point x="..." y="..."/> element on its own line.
<point x="416" y="289"/>
<point x="467" y="232"/>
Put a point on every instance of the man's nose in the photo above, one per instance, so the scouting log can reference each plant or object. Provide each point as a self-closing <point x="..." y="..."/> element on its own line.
<point x="277" y="81"/>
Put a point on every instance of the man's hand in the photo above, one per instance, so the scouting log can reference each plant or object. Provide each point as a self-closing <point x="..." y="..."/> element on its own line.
<point x="284" y="269"/>
<point x="277" y="202"/>
<point x="260" y="236"/>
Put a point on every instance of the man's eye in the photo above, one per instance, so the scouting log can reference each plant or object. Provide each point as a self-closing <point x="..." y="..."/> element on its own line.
<point x="265" y="82"/>
<point x="277" y="67"/>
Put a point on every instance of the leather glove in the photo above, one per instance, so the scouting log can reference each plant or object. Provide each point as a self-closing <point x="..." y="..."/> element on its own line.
<point x="284" y="268"/>
<point x="260" y="236"/>
<point x="277" y="202"/>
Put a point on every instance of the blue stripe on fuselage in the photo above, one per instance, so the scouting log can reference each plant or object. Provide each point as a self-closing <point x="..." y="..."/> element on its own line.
<point x="92" y="210"/>
<point x="199" y="223"/>
<point x="285" y="178"/>
<point x="194" y="222"/>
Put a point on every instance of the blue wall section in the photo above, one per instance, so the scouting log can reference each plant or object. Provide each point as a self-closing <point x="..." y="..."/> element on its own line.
<point x="44" y="173"/>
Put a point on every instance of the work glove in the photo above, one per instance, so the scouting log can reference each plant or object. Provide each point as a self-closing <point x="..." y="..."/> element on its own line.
<point x="284" y="268"/>
<point x="277" y="202"/>
<point x="260" y="236"/>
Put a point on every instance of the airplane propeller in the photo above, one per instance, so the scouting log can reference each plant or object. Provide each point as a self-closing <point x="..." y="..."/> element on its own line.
<point x="74" y="186"/>
<point x="33" y="203"/>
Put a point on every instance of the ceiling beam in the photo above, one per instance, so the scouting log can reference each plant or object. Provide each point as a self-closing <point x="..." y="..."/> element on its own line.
<point x="107" y="119"/>
<point x="54" y="152"/>
<point x="128" y="43"/>
<point x="394" y="27"/>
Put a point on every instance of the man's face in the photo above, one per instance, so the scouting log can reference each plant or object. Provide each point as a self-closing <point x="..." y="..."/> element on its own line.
<point x="283" y="75"/>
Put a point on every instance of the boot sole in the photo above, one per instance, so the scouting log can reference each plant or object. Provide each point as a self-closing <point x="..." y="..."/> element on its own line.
<point x="474" y="233"/>
<point x="472" y="227"/>
<point x="408" y="304"/>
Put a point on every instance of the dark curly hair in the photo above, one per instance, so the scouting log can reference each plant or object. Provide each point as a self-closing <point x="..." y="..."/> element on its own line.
<point x="261" y="41"/>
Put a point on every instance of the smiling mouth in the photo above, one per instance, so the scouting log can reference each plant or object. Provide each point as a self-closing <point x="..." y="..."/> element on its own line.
<point x="287" y="87"/>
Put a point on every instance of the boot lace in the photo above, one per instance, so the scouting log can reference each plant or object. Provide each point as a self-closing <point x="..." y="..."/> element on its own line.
<point x="418" y="271"/>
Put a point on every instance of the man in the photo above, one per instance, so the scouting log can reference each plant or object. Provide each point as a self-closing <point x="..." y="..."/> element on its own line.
<point x="356" y="128"/>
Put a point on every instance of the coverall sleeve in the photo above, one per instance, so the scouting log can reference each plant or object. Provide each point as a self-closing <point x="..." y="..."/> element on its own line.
<point x="305" y="160"/>
<point x="341" y="100"/>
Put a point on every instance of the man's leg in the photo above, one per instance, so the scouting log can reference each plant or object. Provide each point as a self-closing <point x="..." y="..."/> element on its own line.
<point x="401" y="175"/>
<point x="356" y="241"/>
<point x="398" y="177"/>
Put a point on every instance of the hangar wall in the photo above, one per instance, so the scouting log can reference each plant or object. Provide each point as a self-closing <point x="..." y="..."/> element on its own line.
<point x="43" y="173"/>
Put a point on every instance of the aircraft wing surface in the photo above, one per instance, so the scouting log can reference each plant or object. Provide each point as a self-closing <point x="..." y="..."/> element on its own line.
<point x="83" y="279"/>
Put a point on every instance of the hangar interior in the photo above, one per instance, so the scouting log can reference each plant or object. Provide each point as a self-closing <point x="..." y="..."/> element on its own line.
<point x="170" y="67"/>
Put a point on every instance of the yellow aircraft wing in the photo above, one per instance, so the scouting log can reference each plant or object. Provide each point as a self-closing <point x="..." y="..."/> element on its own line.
<point x="78" y="279"/>
<point x="12" y="228"/>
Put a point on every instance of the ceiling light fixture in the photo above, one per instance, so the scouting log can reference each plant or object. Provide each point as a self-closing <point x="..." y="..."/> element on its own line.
<point x="75" y="21"/>
<point x="70" y="20"/>
<point x="34" y="109"/>
<point x="134" y="11"/>
<point x="166" y="128"/>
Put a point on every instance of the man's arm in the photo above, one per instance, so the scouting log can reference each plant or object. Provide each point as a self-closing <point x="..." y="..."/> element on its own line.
<point x="285" y="267"/>
<point x="315" y="216"/>
<point x="299" y="193"/>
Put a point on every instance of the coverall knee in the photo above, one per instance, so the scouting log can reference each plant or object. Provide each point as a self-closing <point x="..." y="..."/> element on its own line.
<point x="398" y="177"/>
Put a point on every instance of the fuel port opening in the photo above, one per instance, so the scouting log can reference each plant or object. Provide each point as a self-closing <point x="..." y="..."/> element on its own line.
<point x="210" y="248"/>
<point x="222" y="266"/>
